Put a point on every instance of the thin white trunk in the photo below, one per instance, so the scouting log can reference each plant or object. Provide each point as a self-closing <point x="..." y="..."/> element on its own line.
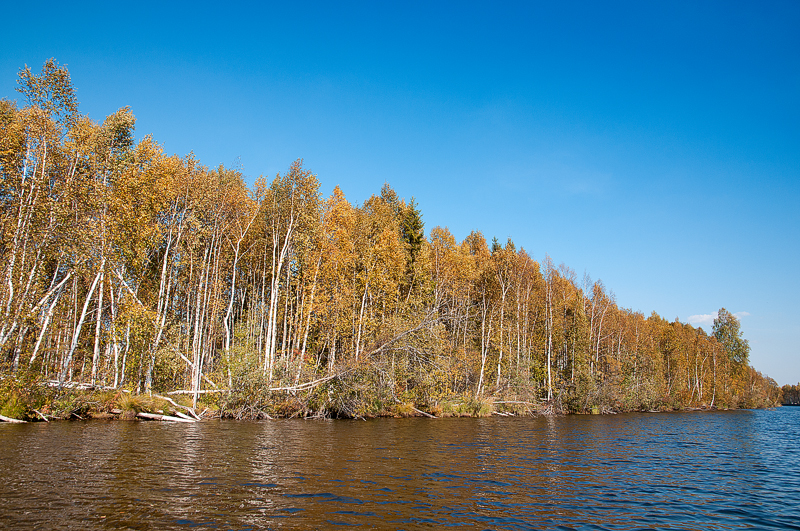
<point x="47" y="317"/>
<point x="272" y="325"/>
<point x="125" y="353"/>
<point x="361" y="315"/>
<point x="308" y="319"/>
<point x="77" y="333"/>
<point x="227" y="320"/>
<point x="57" y="291"/>
<point x="115" y="340"/>
<point x="484" y="344"/>
<point x="98" y="326"/>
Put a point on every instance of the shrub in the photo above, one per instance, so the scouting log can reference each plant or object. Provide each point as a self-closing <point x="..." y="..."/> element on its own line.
<point x="475" y="407"/>
<point x="404" y="409"/>
<point x="20" y="394"/>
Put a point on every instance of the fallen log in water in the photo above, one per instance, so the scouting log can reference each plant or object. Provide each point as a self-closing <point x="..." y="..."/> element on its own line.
<point x="423" y="413"/>
<point x="187" y="408"/>
<point x="13" y="421"/>
<point x="155" y="416"/>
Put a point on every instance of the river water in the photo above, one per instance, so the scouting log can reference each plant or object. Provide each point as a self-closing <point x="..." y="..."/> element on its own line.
<point x="691" y="470"/>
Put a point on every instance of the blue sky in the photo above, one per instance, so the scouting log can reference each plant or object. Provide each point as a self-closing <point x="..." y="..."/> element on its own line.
<point x="653" y="145"/>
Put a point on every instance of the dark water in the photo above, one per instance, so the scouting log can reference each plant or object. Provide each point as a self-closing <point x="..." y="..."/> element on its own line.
<point x="703" y="470"/>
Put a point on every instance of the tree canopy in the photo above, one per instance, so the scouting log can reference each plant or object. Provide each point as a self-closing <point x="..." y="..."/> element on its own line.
<point x="726" y="331"/>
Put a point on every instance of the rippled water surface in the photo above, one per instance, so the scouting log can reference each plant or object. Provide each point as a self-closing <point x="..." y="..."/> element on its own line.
<point x="699" y="470"/>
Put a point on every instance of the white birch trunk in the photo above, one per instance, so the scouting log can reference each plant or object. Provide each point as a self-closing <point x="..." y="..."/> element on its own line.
<point x="77" y="333"/>
<point x="98" y="326"/>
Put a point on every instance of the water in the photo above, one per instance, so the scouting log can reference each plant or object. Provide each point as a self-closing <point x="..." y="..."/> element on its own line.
<point x="699" y="470"/>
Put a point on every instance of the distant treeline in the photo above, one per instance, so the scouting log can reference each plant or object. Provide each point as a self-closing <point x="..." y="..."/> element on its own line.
<point x="790" y="395"/>
<point x="124" y="267"/>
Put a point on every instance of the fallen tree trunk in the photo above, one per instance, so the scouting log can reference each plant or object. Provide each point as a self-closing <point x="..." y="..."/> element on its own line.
<point x="306" y="386"/>
<point x="423" y="413"/>
<point x="13" y="421"/>
<point x="187" y="408"/>
<point x="190" y="392"/>
<point x="78" y="385"/>
<point x="155" y="416"/>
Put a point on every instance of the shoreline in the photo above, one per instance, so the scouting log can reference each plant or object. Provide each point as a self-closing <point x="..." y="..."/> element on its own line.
<point x="84" y="404"/>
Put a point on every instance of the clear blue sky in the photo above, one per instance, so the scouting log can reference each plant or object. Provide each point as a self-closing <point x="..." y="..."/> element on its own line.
<point x="654" y="145"/>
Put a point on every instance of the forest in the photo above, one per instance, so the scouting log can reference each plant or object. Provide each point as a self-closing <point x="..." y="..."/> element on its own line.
<point x="127" y="269"/>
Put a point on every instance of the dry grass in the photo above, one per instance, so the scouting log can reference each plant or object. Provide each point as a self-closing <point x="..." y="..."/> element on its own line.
<point x="404" y="409"/>
<point x="133" y="404"/>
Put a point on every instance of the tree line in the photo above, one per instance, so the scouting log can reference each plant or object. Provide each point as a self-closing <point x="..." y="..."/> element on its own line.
<point x="791" y="395"/>
<point x="126" y="267"/>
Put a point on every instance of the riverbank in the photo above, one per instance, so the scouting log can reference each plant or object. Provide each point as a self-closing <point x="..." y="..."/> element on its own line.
<point x="49" y="404"/>
<point x="36" y="401"/>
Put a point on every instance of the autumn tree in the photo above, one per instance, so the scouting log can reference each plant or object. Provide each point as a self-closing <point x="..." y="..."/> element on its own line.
<point x="726" y="330"/>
